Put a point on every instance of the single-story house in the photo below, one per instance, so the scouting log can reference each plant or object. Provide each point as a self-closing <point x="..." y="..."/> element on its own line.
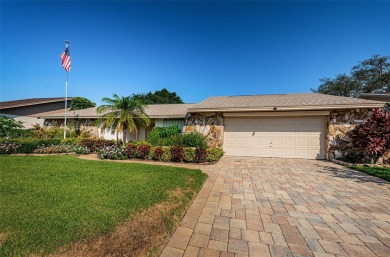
<point x="28" y="110"/>
<point x="161" y="115"/>
<point x="308" y="125"/>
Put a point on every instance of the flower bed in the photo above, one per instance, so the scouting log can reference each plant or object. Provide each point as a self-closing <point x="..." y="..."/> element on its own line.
<point x="143" y="150"/>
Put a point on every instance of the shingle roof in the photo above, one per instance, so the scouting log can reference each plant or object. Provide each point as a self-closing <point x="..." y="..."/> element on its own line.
<point x="31" y="101"/>
<point x="281" y="101"/>
<point x="154" y="111"/>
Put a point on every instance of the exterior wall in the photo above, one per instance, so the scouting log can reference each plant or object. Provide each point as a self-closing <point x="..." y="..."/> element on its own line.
<point x="28" y="122"/>
<point x="211" y="126"/>
<point x="339" y="124"/>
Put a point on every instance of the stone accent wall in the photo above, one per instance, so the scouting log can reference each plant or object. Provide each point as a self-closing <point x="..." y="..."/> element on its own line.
<point x="210" y="125"/>
<point x="339" y="124"/>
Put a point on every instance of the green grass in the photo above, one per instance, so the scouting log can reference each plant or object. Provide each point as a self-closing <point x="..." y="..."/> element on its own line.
<point x="380" y="172"/>
<point x="54" y="201"/>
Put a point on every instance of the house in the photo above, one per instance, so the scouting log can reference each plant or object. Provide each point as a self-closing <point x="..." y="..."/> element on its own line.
<point x="384" y="97"/>
<point x="162" y="115"/>
<point x="28" y="110"/>
<point x="308" y="125"/>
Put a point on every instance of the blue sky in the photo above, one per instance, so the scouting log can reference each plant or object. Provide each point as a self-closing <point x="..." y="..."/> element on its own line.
<point x="197" y="49"/>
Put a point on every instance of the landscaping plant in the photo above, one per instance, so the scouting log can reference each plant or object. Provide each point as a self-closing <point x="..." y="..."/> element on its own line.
<point x="200" y="155"/>
<point x="177" y="153"/>
<point x="10" y="128"/>
<point x="373" y="135"/>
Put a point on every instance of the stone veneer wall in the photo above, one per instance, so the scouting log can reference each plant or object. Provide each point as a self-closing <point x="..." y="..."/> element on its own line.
<point x="339" y="124"/>
<point x="210" y="125"/>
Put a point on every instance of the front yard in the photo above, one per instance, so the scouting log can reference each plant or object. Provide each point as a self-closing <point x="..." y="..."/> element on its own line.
<point x="57" y="204"/>
<point x="380" y="172"/>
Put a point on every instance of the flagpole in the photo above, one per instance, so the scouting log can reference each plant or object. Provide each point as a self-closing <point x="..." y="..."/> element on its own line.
<point x="66" y="102"/>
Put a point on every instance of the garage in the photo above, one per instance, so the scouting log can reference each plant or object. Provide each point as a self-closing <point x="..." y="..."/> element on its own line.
<point x="285" y="137"/>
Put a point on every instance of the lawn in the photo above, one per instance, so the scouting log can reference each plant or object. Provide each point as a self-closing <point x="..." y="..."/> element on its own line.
<point x="49" y="203"/>
<point x="380" y="172"/>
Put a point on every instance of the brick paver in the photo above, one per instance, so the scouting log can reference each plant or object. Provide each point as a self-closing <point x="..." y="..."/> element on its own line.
<point x="285" y="207"/>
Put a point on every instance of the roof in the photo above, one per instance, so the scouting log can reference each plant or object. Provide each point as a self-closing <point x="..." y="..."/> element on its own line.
<point x="304" y="101"/>
<point x="31" y="101"/>
<point x="153" y="111"/>
<point x="384" y="96"/>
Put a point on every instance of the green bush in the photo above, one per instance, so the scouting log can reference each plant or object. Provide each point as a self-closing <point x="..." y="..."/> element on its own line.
<point x="213" y="154"/>
<point x="193" y="139"/>
<point x="158" y="134"/>
<point x="166" y="156"/>
<point x="70" y="141"/>
<point x="28" y="145"/>
<point x="189" y="154"/>
<point x="10" y="128"/>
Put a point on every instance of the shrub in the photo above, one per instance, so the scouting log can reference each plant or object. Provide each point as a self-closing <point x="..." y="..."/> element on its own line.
<point x="189" y="154"/>
<point x="200" y="155"/>
<point x="177" y="154"/>
<point x="354" y="156"/>
<point x="166" y="155"/>
<point x="54" y="149"/>
<point x="10" y="128"/>
<point x="8" y="148"/>
<point x="28" y="145"/>
<point x="373" y="136"/>
<point x="112" y="152"/>
<point x="51" y="132"/>
<point x="143" y="150"/>
<point x="214" y="154"/>
<point x="131" y="151"/>
<point x="70" y="141"/>
<point x="193" y="139"/>
<point x="95" y="144"/>
<point x="158" y="134"/>
<point x="78" y="149"/>
<point x="157" y="153"/>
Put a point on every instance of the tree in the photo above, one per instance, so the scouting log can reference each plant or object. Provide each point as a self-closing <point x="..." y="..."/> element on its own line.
<point x="10" y="127"/>
<point x="79" y="103"/>
<point x="122" y="114"/>
<point x="373" y="74"/>
<point x="369" y="76"/>
<point x="342" y="85"/>
<point x="373" y="135"/>
<point x="162" y="96"/>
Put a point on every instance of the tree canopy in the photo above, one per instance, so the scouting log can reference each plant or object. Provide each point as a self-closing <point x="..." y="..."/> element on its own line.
<point x="162" y="96"/>
<point x="369" y="76"/>
<point x="10" y="127"/>
<point x="79" y="103"/>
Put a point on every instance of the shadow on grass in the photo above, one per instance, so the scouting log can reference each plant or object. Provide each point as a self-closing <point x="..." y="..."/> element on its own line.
<point x="357" y="176"/>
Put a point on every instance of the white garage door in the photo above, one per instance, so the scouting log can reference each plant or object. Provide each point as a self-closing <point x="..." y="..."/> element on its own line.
<point x="289" y="137"/>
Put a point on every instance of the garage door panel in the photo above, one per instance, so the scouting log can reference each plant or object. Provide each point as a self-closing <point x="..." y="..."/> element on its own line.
<point x="292" y="137"/>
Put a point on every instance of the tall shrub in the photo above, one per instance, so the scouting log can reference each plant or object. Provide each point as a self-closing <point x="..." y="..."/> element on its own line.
<point x="373" y="135"/>
<point x="163" y="135"/>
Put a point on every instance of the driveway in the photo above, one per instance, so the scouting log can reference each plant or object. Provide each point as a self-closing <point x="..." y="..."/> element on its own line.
<point x="285" y="207"/>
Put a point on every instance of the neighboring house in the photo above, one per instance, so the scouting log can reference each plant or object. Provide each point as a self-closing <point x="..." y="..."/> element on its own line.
<point x="309" y="125"/>
<point x="162" y="115"/>
<point x="28" y="110"/>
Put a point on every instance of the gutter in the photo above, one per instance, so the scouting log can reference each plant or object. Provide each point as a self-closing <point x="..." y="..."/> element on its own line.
<point x="287" y="108"/>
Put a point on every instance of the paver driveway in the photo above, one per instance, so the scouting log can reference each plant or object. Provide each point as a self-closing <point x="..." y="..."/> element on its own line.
<point x="285" y="207"/>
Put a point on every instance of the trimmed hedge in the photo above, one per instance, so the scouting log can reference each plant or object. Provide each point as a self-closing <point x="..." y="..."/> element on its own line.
<point x="28" y="145"/>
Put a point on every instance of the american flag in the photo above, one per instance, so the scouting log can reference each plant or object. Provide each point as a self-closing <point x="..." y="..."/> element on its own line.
<point x="65" y="57"/>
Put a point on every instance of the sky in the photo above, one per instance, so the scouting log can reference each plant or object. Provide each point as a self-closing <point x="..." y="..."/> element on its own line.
<point x="194" y="48"/>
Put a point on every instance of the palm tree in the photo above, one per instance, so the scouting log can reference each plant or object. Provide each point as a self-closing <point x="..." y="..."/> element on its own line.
<point x="123" y="114"/>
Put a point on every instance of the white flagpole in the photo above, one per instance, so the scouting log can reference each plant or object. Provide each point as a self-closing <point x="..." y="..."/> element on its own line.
<point x="66" y="102"/>
<point x="66" y="93"/>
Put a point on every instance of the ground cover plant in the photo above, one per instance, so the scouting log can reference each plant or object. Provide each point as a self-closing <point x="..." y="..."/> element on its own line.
<point x="380" y="172"/>
<point x="52" y="202"/>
